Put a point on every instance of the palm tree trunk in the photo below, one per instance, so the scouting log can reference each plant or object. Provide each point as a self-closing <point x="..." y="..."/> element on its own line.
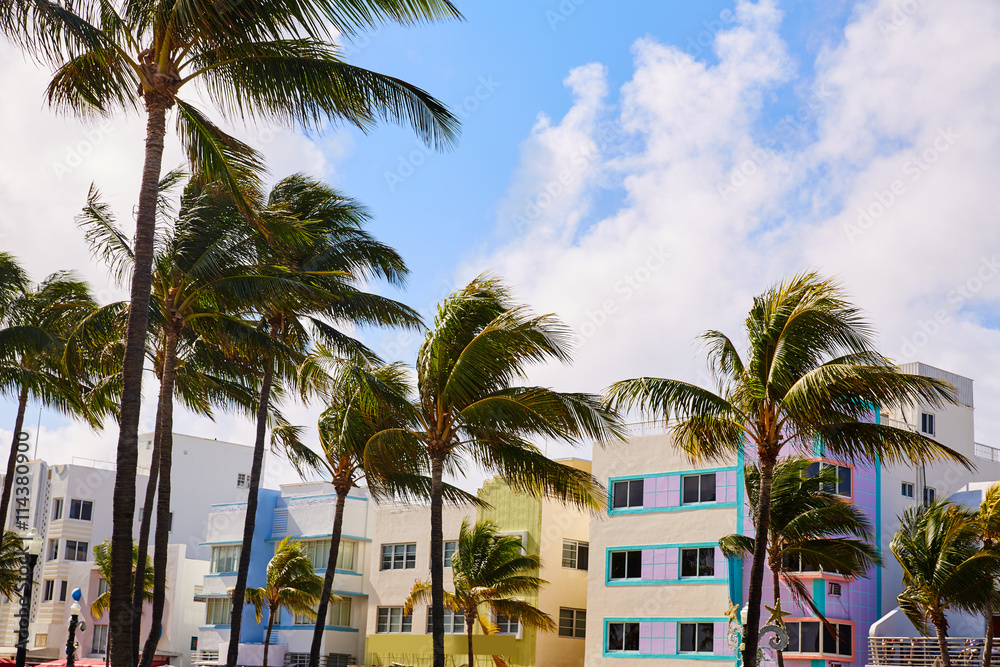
<point x="138" y="587"/>
<point x="120" y="612"/>
<point x="162" y="537"/>
<point x="777" y="598"/>
<point x="988" y="647"/>
<point x="469" y="620"/>
<point x="239" y="592"/>
<point x="331" y="569"/>
<point x="437" y="562"/>
<point x="941" y="625"/>
<point x="751" y="634"/>
<point x="8" y="480"/>
<point x="267" y="637"/>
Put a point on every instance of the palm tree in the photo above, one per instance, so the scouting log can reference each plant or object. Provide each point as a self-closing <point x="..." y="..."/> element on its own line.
<point x="327" y="268"/>
<point x="809" y="525"/>
<point x="943" y="567"/>
<point x="811" y="371"/>
<point x="291" y="582"/>
<point x="37" y="323"/>
<point x="467" y="406"/>
<point x="11" y="560"/>
<point x="269" y="60"/>
<point x="102" y="559"/>
<point x="489" y="573"/>
<point x="988" y="521"/>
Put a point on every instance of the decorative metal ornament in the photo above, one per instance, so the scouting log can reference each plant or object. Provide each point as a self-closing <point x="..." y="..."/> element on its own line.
<point x="775" y="626"/>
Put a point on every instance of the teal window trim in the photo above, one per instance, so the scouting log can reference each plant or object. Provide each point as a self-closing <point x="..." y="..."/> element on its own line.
<point x="214" y="627"/>
<point x="670" y="656"/>
<point x="673" y="473"/>
<point x="323" y="536"/>
<point x="220" y="544"/>
<point x="679" y="508"/>
<point x="608" y="581"/>
<point x="221" y="574"/>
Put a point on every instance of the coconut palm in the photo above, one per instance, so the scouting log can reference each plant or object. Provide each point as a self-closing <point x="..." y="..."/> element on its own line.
<point x="291" y="582"/>
<point x="102" y="559"/>
<point x="988" y="522"/>
<point x="467" y="406"/>
<point x="258" y="60"/>
<point x="943" y="567"/>
<point x="11" y="561"/>
<point x="810" y="525"/>
<point x="37" y="323"/>
<point x="327" y="268"/>
<point x="489" y="573"/>
<point x="811" y="371"/>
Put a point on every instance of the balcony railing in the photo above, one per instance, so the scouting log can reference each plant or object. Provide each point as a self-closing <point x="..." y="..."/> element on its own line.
<point x="986" y="452"/>
<point x="924" y="651"/>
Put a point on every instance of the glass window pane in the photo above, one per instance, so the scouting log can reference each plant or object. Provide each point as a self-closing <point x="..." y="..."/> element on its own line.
<point x="582" y="556"/>
<point x="706" y="635"/>
<point x="635" y="493"/>
<point x="810" y="637"/>
<point x="708" y="488"/>
<point x="569" y="554"/>
<point x="616" y="638"/>
<point x="634" y="565"/>
<point x="829" y="641"/>
<point x="386" y="557"/>
<point x="843" y="480"/>
<point x="687" y="643"/>
<point x="828" y="469"/>
<point x="689" y="562"/>
<point x="812" y="470"/>
<point x="793" y="637"/>
<point x="620" y="496"/>
<point x="631" y="636"/>
<point x="691" y="489"/>
<point x="566" y="622"/>
<point x="618" y="565"/>
<point x="706" y="562"/>
<point x="581" y="623"/>
<point x="845" y="641"/>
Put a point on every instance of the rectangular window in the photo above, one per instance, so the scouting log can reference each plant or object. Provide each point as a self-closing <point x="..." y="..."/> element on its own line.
<point x="49" y="591"/>
<point x="76" y="550"/>
<point x="698" y="562"/>
<point x="81" y="509"/>
<point x="623" y="637"/>
<point x="507" y="626"/>
<point x="63" y="585"/>
<point x="794" y="563"/>
<point x="391" y="619"/>
<point x="805" y="636"/>
<point x="627" y="494"/>
<point x="572" y="623"/>
<point x="399" y="556"/>
<point x="809" y="639"/>
<point x="454" y="621"/>
<point x="194" y="643"/>
<point x="927" y="423"/>
<point x="575" y="555"/>
<point x="219" y="611"/>
<point x="839" y="645"/>
<point x="103" y="586"/>
<point x="57" y="505"/>
<point x="696" y="637"/>
<point x="318" y="552"/>
<point x="53" y="549"/>
<point x="907" y="490"/>
<point x="339" y="613"/>
<point x="300" y="618"/>
<point x="929" y="494"/>
<point x="626" y="565"/>
<point x="345" y="555"/>
<point x="242" y="480"/>
<point x="842" y="487"/>
<point x="699" y="488"/>
<point x="100" y="643"/>
<point x="225" y="558"/>
<point x="450" y="548"/>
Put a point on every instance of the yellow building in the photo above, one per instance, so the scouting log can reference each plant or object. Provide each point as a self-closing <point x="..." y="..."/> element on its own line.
<point x="401" y="541"/>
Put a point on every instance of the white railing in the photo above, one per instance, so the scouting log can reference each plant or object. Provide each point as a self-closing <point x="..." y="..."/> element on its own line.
<point x="986" y="452"/>
<point x="205" y="658"/>
<point x="657" y="427"/>
<point x="925" y="652"/>
<point x="897" y="423"/>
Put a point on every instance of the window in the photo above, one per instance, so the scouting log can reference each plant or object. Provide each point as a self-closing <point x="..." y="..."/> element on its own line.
<point x="454" y="621"/>
<point x="449" y="551"/>
<point x="63" y="585"/>
<point x="804" y="637"/>
<point x="696" y="637"/>
<point x="627" y="494"/>
<point x="575" y="555"/>
<point x="399" y="556"/>
<point x="929" y="494"/>
<point x="699" y="488"/>
<point x="299" y="618"/>
<point x="927" y="423"/>
<point x="842" y="487"/>
<point x="81" y="509"/>
<point x="57" y="509"/>
<point x="76" y="550"/>
<point x="41" y="639"/>
<point x="391" y="619"/>
<point x="507" y="626"/>
<point x="794" y="563"/>
<point x="219" y="611"/>
<point x="103" y="587"/>
<point x="572" y="623"/>
<point x="345" y="555"/>
<point x="835" y="588"/>
<point x="318" y="552"/>
<point x="242" y="480"/>
<point x="100" y="642"/>
<point x="194" y="643"/>
<point x="907" y="490"/>
<point x="49" y="592"/>
<point x="623" y="637"/>
<point x="170" y="522"/>
<point x="626" y="564"/>
<point x="225" y="558"/>
<point x="53" y="549"/>
<point x="698" y="562"/>
<point x="339" y="613"/>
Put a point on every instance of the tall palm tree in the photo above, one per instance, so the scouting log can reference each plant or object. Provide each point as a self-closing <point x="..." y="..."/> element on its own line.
<point x="100" y="604"/>
<point x="468" y="407"/>
<point x="269" y="60"/>
<point x="943" y="567"/>
<point x="810" y="525"/>
<point x="291" y="582"/>
<point x="11" y="560"/>
<point x="811" y="370"/>
<point x="489" y="573"/>
<point x="37" y="323"/>
<point x="327" y="269"/>
<point x="988" y="522"/>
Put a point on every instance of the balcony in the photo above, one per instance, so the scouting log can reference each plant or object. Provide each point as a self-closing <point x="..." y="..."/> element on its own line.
<point x="924" y="651"/>
<point x="986" y="452"/>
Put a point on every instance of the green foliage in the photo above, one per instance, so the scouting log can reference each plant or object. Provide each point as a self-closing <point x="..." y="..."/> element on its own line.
<point x="102" y="559"/>
<point x="291" y="582"/>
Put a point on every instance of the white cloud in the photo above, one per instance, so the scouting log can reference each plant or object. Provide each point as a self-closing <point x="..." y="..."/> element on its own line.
<point x="739" y="200"/>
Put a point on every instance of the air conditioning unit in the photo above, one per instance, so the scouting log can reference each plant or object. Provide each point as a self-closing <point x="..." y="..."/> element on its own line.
<point x="834" y="590"/>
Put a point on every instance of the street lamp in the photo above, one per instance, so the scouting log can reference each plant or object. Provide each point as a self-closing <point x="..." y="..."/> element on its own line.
<point x="31" y="546"/>
<point x="775" y="625"/>
<point x="74" y="610"/>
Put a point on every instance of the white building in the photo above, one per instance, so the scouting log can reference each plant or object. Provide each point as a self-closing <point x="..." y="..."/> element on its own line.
<point x="71" y="508"/>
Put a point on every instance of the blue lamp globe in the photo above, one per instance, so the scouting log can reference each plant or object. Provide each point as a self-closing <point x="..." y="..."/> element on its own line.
<point x="76" y="594"/>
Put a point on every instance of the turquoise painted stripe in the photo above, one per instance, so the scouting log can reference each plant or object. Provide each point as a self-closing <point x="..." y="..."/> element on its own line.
<point x="319" y="537"/>
<point x="819" y="595"/>
<point x="221" y="574"/>
<point x="679" y="508"/>
<point x="878" y="523"/>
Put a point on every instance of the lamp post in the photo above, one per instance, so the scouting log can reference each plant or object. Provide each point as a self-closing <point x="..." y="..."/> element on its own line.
<point x="775" y="625"/>
<point x="74" y="617"/>
<point x="31" y="546"/>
